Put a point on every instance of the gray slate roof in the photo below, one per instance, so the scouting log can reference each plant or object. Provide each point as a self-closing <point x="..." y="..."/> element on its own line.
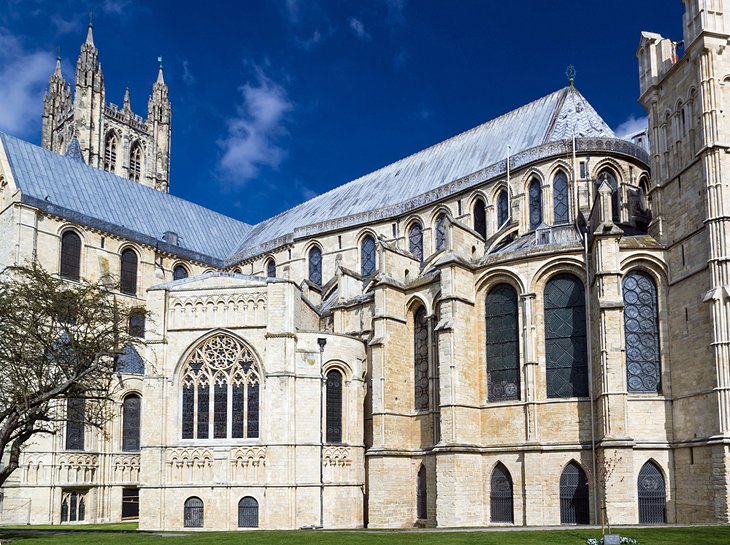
<point x="557" y="116"/>
<point x="90" y="196"/>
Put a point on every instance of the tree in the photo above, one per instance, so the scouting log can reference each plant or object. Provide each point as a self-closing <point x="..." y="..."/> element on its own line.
<point x="58" y="341"/>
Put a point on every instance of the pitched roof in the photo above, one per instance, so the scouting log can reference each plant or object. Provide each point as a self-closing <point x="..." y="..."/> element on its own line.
<point x="557" y="116"/>
<point x="90" y="196"/>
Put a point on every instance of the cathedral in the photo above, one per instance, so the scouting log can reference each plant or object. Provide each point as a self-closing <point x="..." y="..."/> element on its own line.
<point x="526" y="324"/>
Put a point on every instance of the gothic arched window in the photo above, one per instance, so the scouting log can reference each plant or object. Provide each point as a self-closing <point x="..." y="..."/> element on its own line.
<point x="193" y="516"/>
<point x="315" y="266"/>
<point x="641" y="330"/>
<point x="128" y="276"/>
<point x="75" y="420"/>
<point x="502" y="208"/>
<point x="415" y="241"/>
<point x="652" y="495"/>
<point x="503" y="346"/>
<point x="135" y="162"/>
<point x="271" y="268"/>
<point x="229" y="366"/>
<point x="500" y="495"/>
<point x="131" y="415"/>
<point x="565" y="337"/>
<point x="422" y="493"/>
<point x="367" y="256"/>
<point x="480" y="218"/>
<point x="535" y="195"/>
<point x="440" y="228"/>
<point x="179" y="272"/>
<point x="334" y="406"/>
<point x="574" y="495"/>
<point x="608" y="176"/>
<point x="136" y="324"/>
<point x="70" y="256"/>
<point x="248" y="513"/>
<point x="560" y="198"/>
<point x="110" y="152"/>
<point x="420" y="358"/>
<point x="73" y="506"/>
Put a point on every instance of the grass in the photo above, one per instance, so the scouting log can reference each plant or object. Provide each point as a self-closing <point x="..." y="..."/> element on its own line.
<point x="125" y="534"/>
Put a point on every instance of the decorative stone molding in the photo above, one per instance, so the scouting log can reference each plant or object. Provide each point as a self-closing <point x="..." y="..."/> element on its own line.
<point x="204" y="311"/>
<point x="188" y="465"/>
<point x="77" y="468"/>
<point x="125" y="468"/>
<point x="337" y="456"/>
<point x="248" y="456"/>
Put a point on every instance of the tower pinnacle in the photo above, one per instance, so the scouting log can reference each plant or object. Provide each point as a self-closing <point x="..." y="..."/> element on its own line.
<point x="160" y="78"/>
<point x="90" y="33"/>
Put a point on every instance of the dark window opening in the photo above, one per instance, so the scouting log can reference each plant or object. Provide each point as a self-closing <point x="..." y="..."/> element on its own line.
<point x="193" y="513"/>
<point x="334" y="406"/>
<point x="71" y="256"/>
<point x="131" y="419"/>
<point x="503" y="346"/>
<point x="574" y="496"/>
<point x="128" y="280"/>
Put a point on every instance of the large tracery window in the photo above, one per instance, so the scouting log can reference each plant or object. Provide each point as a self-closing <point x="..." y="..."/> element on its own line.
<point x="315" y="266"/>
<point x="135" y="162"/>
<point x="70" y="256"/>
<point x="226" y="366"/>
<point x="75" y="420"/>
<point x="480" y="218"/>
<point x="503" y="347"/>
<point x="440" y="229"/>
<point x="334" y="406"/>
<point x="502" y="208"/>
<point x="415" y="241"/>
<point x="560" y="198"/>
<point x="641" y="329"/>
<point x="535" y="192"/>
<point x="110" y="152"/>
<point x="367" y="256"/>
<point x="420" y="358"/>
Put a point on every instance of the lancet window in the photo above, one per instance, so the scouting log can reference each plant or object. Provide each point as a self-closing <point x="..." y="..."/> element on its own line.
<point x="271" y="268"/>
<point x="503" y="346"/>
<point x="502" y="208"/>
<point x="560" y="198"/>
<point x="415" y="241"/>
<point x="220" y="391"/>
<point x="70" y="256"/>
<point x="110" y="152"/>
<point x="128" y="277"/>
<point x="367" y="256"/>
<point x="480" y="218"/>
<point x="440" y="229"/>
<point x="135" y="162"/>
<point x="315" y="266"/>
<point x="420" y="358"/>
<point x="535" y="192"/>
<point x="641" y="331"/>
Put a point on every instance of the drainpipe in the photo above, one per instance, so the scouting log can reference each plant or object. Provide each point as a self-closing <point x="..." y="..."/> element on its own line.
<point x="590" y="378"/>
<point x="321" y="341"/>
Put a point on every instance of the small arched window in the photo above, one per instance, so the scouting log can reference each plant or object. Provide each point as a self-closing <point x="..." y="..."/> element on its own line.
<point x="136" y="324"/>
<point x="560" y="198"/>
<point x="193" y="516"/>
<point x="271" y="268"/>
<point x="415" y="241"/>
<point x="535" y="195"/>
<point x="480" y="218"/>
<point x="652" y="495"/>
<point x="248" y="513"/>
<point x="334" y="406"/>
<point x="502" y="208"/>
<point x="179" y="272"/>
<point x="75" y="423"/>
<point x="500" y="495"/>
<point x="367" y="256"/>
<point x="128" y="277"/>
<point x="641" y="331"/>
<point x="131" y="415"/>
<point x="70" y="256"/>
<point x="503" y="346"/>
<point x="440" y="228"/>
<point x="608" y="176"/>
<point x="135" y="162"/>
<point x="422" y="494"/>
<point x="315" y="266"/>
<point x="420" y="359"/>
<point x="110" y="152"/>
<point x="565" y="337"/>
<point x="574" y="495"/>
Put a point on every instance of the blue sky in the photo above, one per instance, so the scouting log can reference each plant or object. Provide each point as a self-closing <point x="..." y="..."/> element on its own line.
<point x="275" y="101"/>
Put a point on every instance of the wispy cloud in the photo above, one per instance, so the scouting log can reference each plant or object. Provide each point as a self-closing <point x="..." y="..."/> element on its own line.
<point x="292" y="9"/>
<point x="117" y="7"/>
<point x="253" y="134"/>
<point x="396" y="11"/>
<point x="23" y="77"/>
<point x="400" y="60"/>
<point x="357" y="26"/>
<point x="187" y="75"/>
<point x="66" y="26"/>
<point x="632" y="125"/>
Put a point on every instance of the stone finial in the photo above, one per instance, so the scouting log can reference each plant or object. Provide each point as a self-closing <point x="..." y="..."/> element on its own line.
<point x="160" y="77"/>
<point x="127" y="107"/>
<point x="604" y="195"/>
<point x="90" y="33"/>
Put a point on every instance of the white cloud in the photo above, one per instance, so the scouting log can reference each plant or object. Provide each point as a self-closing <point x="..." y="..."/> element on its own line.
<point x="253" y="133"/>
<point x="632" y="125"/>
<point x="396" y="9"/>
<point x="188" y="76"/>
<point x="292" y="9"/>
<point x="66" y="26"/>
<point x="359" y="29"/>
<point x="23" y="78"/>
<point x="116" y="7"/>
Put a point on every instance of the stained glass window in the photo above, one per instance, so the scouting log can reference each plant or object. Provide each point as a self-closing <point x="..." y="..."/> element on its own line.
<point x="73" y="506"/>
<point x="70" y="256"/>
<point x="248" y="513"/>
<point x="480" y="218"/>
<point x="422" y="494"/>
<point x="502" y="208"/>
<point x="440" y="229"/>
<point x="229" y="365"/>
<point x="415" y="241"/>
<point x="560" y="198"/>
<point x="535" y="204"/>
<point x="315" y="266"/>
<point x="193" y="513"/>
<point x="334" y="406"/>
<point x="501" y="504"/>
<point x="271" y="268"/>
<point x="420" y="363"/>
<point x="367" y="256"/>
<point x="503" y="347"/>
<point x="128" y="277"/>
<point x="179" y="272"/>
<point x="574" y="495"/>
<point x="75" y="419"/>
<point x="131" y="422"/>
<point x="565" y="337"/>
<point x="641" y="330"/>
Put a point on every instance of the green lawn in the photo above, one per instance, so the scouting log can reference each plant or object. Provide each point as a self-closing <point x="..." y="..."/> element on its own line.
<point x="123" y="534"/>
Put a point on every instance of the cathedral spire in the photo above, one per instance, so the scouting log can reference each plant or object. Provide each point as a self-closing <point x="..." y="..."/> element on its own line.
<point x="57" y="72"/>
<point x="160" y="77"/>
<point x="90" y="32"/>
